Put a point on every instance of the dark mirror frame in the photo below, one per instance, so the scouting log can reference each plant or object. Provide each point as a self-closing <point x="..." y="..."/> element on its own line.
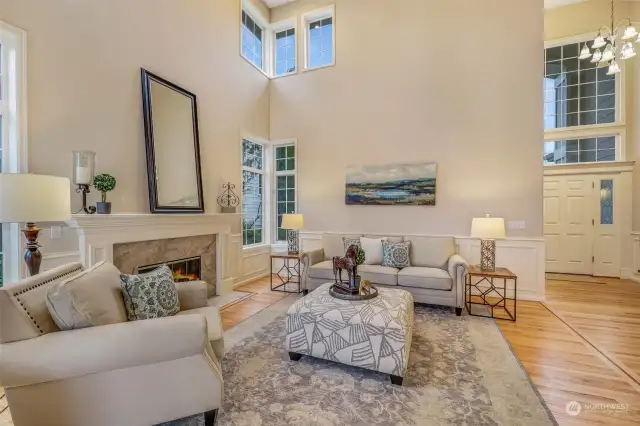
<point x="149" y="140"/>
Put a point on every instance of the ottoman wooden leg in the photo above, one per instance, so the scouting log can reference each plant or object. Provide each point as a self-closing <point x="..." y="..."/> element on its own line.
<point x="210" y="417"/>
<point x="458" y="311"/>
<point x="396" y="380"/>
<point x="294" y="356"/>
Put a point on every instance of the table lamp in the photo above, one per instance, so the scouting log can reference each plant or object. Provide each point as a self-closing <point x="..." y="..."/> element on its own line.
<point x="34" y="198"/>
<point x="292" y="223"/>
<point x="488" y="229"/>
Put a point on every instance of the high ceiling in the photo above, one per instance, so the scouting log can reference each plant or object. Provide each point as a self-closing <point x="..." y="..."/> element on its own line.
<point x="548" y="4"/>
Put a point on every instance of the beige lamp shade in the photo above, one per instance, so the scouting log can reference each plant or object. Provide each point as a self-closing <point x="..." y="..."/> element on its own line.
<point x="292" y="221"/>
<point x="34" y="198"/>
<point x="487" y="228"/>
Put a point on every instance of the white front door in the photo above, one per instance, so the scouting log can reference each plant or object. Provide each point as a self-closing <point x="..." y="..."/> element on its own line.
<point x="581" y="225"/>
<point x="568" y="224"/>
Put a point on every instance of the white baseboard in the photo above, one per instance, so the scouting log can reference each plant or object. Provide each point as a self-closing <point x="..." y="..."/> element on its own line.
<point x="248" y="278"/>
<point x="627" y="273"/>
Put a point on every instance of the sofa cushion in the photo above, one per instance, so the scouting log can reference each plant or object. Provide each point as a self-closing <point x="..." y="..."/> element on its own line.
<point x="421" y="277"/>
<point x="432" y="252"/>
<point x="379" y="274"/>
<point x="150" y="295"/>
<point x="396" y="255"/>
<point x="23" y="310"/>
<point x="88" y="299"/>
<point x="322" y="270"/>
<point x="333" y="244"/>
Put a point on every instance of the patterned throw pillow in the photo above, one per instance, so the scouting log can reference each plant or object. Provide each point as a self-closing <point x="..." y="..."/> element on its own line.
<point x="395" y="255"/>
<point x="150" y="295"/>
<point x="348" y="242"/>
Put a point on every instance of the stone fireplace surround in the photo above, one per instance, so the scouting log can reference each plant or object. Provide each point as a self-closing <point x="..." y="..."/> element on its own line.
<point x="97" y="235"/>
<point x="127" y="257"/>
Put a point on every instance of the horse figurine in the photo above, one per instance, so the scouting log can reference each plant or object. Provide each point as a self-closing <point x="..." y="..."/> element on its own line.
<point x="347" y="262"/>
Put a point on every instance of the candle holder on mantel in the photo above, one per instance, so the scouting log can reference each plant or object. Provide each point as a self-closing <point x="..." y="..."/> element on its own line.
<point x="83" y="169"/>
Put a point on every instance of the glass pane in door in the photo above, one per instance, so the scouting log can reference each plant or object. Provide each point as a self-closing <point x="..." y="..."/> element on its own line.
<point x="606" y="202"/>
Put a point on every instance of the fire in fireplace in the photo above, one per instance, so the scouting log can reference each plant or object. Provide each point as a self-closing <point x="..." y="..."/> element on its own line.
<point x="183" y="270"/>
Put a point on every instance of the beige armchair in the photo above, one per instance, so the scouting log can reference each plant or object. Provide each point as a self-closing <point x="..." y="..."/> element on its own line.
<point x="138" y="373"/>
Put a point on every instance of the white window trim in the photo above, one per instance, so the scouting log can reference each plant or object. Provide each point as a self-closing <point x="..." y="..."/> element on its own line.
<point x="274" y="207"/>
<point x="312" y="16"/>
<point x="266" y="189"/>
<point x="14" y="107"/>
<point x="255" y="14"/>
<point x="619" y="135"/>
<point x="620" y="120"/>
<point x="276" y="27"/>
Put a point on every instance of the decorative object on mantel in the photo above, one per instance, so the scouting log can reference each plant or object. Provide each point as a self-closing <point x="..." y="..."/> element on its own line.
<point x="83" y="166"/>
<point x="228" y="200"/>
<point x="488" y="229"/>
<point x="173" y="149"/>
<point x="104" y="183"/>
<point x="34" y="198"/>
<point x="608" y="38"/>
<point x="292" y="222"/>
<point x="393" y="184"/>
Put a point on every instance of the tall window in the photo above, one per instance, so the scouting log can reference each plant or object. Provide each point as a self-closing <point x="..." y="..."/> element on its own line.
<point x="319" y="38"/>
<point x="579" y="100"/>
<point x="253" y="166"/>
<point x="252" y="36"/>
<point x="12" y="135"/>
<point x="577" y="92"/>
<point x="285" y="161"/>
<point x="285" y="52"/>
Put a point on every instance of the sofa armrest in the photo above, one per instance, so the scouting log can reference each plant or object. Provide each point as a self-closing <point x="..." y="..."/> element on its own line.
<point x="457" y="268"/>
<point x="309" y="259"/>
<point x="74" y="353"/>
<point x="192" y="295"/>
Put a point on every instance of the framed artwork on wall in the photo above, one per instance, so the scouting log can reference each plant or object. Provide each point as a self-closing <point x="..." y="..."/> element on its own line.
<point x="412" y="184"/>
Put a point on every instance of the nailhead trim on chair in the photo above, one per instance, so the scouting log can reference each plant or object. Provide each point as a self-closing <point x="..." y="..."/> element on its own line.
<point x="36" y="286"/>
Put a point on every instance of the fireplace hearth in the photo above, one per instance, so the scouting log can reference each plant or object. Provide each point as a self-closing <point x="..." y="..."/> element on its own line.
<point x="183" y="269"/>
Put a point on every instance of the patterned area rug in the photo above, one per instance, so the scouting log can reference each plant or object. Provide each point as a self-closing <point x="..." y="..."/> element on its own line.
<point x="461" y="371"/>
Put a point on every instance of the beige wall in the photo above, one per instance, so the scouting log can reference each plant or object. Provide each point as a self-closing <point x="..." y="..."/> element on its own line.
<point x="399" y="92"/>
<point x="84" y="60"/>
<point x="586" y="18"/>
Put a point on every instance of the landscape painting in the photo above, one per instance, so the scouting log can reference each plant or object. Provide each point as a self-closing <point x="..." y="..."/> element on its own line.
<point x="394" y="184"/>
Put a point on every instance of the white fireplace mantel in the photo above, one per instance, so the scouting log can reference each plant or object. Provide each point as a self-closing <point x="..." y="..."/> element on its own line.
<point x="98" y="233"/>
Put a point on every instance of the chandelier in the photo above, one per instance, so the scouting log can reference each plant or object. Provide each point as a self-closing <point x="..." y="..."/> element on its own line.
<point x="617" y="42"/>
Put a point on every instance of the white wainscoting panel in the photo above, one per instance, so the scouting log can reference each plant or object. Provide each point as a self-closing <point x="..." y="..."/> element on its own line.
<point x="254" y="264"/>
<point x="523" y="256"/>
<point x="53" y="260"/>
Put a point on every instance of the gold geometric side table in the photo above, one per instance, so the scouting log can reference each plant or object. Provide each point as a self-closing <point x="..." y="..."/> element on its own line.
<point x="483" y="291"/>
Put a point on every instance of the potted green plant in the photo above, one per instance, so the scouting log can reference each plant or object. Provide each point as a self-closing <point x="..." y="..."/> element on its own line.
<point x="104" y="183"/>
<point x="360" y="258"/>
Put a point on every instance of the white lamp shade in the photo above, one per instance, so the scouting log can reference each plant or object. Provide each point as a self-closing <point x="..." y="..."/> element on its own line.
<point x="292" y="221"/>
<point x="629" y="33"/>
<point x="487" y="228"/>
<point x="608" y="54"/>
<point x="598" y="42"/>
<point x="597" y="55"/>
<point x="34" y="198"/>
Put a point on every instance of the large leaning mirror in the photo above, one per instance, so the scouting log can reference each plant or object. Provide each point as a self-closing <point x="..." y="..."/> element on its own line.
<point x="173" y="151"/>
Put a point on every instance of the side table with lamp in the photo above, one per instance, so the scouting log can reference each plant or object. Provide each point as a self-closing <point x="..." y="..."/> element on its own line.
<point x="480" y="288"/>
<point x="33" y="198"/>
<point x="289" y="273"/>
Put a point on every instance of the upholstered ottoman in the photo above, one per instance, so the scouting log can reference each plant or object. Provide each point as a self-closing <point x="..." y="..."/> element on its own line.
<point x="373" y="334"/>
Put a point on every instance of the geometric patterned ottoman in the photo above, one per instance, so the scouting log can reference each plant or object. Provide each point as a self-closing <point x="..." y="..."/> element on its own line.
<point x="373" y="334"/>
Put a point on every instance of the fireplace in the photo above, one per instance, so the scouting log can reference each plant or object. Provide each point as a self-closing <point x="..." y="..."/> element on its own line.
<point x="183" y="270"/>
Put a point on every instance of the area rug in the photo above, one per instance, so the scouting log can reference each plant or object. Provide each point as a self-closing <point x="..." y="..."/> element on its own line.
<point x="461" y="371"/>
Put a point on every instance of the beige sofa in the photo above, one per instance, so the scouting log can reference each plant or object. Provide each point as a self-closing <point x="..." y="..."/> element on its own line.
<point x="436" y="275"/>
<point x="137" y="373"/>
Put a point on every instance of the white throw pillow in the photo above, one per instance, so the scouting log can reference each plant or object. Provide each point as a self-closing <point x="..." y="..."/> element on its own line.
<point x="372" y="250"/>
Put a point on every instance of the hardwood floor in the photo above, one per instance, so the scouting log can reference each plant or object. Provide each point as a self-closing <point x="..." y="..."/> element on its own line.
<point x="572" y="346"/>
<point x="582" y="344"/>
